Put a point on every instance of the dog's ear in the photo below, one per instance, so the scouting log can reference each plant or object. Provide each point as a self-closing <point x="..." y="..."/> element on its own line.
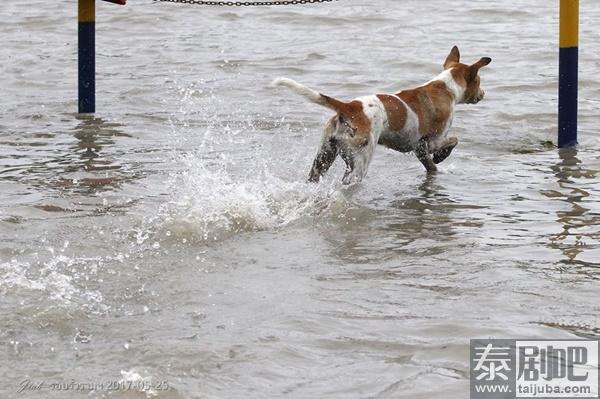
<point x="453" y="58"/>
<point x="481" y="63"/>
<point x="478" y="65"/>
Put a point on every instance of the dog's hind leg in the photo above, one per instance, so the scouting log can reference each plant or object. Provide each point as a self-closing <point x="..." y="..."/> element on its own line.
<point x="327" y="152"/>
<point x="422" y="153"/>
<point x="444" y="152"/>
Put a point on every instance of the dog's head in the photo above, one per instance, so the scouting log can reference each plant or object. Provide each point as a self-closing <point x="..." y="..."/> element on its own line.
<point x="467" y="76"/>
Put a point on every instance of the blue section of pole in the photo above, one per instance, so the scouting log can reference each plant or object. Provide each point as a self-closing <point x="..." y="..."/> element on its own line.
<point x="87" y="67"/>
<point x="567" y="97"/>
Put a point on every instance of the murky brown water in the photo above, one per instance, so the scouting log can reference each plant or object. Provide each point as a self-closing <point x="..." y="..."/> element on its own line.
<point x="173" y="237"/>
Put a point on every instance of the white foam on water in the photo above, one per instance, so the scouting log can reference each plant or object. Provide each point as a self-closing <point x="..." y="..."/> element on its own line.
<point x="211" y="203"/>
<point x="55" y="279"/>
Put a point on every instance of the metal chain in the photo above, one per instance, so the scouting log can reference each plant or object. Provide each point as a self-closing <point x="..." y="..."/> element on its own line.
<point x="246" y="3"/>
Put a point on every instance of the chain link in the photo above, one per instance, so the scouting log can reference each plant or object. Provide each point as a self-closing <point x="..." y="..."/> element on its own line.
<point x="246" y="3"/>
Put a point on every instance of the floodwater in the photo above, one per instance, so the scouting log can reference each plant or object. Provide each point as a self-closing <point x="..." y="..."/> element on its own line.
<point x="172" y="241"/>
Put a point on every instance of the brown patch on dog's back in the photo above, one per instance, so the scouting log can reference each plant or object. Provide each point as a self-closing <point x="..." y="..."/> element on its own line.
<point x="395" y="110"/>
<point x="432" y="104"/>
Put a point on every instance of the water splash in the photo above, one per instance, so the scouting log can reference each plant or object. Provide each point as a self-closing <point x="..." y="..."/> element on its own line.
<point x="215" y="195"/>
<point x="210" y="204"/>
<point x="53" y="280"/>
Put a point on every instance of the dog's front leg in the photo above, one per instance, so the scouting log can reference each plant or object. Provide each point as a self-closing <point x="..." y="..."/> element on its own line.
<point x="422" y="152"/>
<point x="327" y="153"/>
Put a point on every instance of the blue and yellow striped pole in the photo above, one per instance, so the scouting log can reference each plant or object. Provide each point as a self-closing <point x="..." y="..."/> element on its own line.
<point x="568" y="73"/>
<point x="87" y="56"/>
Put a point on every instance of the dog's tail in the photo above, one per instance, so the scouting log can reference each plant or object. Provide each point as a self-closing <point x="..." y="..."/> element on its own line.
<point x="311" y="94"/>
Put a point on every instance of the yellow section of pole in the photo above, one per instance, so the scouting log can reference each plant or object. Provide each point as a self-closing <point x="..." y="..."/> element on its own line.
<point x="569" y="23"/>
<point x="87" y="10"/>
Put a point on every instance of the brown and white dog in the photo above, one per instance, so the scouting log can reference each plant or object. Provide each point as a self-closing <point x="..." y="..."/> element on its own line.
<point x="412" y="120"/>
